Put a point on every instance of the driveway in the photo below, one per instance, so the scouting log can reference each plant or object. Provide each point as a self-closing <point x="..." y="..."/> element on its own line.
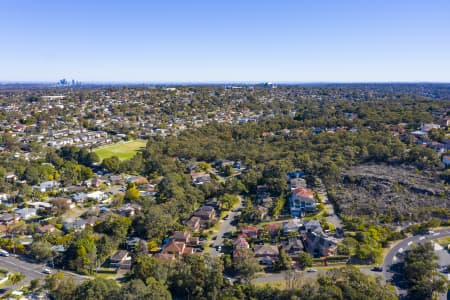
<point x="224" y="227"/>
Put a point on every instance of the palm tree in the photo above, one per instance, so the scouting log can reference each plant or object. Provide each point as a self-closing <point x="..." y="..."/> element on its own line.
<point x="16" y="278"/>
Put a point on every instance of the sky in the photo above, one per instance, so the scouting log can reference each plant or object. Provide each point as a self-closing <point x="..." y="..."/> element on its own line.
<point x="225" y="41"/>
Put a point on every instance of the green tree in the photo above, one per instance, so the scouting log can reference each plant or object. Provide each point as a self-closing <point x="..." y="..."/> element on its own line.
<point x="152" y="289"/>
<point x="35" y="284"/>
<point x="16" y="278"/>
<point x="41" y="250"/>
<point x="60" y="287"/>
<point x="424" y="282"/>
<point x="132" y="194"/>
<point x="246" y="265"/>
<point x="111" y="164"/>
<point x="97" y="288"/>
<point x="304" y="260"/>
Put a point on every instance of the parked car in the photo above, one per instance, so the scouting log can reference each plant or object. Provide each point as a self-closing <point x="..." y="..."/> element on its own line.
<point x="4" y="253"/>
<point x="311" y="270"/>
<point x="219" y="248"/>
<point x="377" y="269"/>
<point x="47" y="271"/>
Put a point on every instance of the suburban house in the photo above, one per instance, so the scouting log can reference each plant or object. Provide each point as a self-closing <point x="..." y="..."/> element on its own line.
<point x="184" y="237"/>
<point x="250" y="231"/>
<point x="6" y="218"/>
<point x="319" y="244"/>
<point x="428" y="127"/>
<point x="293" y="246"/>
<point x="291" y="226"/>
<point x="115" y="179"/>
<point x="193" y="224"/>
<point x="206" y="214"/>
<point x="302" y="200"/>
<point x="120" y="260"/>
<point x="4" y="197"/>
<point x="313" y="226"/>
<point x="76" y="225"/>
<point x="241" y="242"/>
<point x="129" y="210"/>
<point x="273" y="229"/>
<point x="47" y="228"/>
<point x="46" y="186"/>
<point x="26" y="213"/>
<point x="267" y="254"/>
<point x="137" y="180"/>
<point x="200" y="177"/>
<point x="40" y="205"/>
<point x="11" y="177"/>
<point x="97" y="196"/>
<point x="177" y="248"/>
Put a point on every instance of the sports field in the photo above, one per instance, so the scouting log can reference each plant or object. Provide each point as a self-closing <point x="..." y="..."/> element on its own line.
<point x="123" y="150"/>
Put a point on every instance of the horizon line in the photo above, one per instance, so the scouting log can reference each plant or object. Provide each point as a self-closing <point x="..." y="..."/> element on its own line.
<point x="221" y="82"/>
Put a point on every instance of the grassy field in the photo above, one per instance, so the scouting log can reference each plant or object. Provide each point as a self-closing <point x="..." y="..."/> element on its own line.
<point x="123" y="150"/>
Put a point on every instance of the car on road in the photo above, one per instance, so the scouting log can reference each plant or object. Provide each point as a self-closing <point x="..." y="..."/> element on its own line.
<point x="46" y="271"/>
<point x="226" y="217"/>
<point x="311" y="270"/>
<point x="377" y="269"/>
<point x="430" y="232"/>
<point x="219" y="248"/>
<point x="228" y="279"/>
<point x="4" y="253"/>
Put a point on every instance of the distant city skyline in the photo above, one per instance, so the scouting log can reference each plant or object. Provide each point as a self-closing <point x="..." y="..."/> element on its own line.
<point x="232" y="41"/>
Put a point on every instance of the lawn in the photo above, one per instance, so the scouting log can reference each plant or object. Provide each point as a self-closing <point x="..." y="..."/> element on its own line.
<point x="123" y="150"/>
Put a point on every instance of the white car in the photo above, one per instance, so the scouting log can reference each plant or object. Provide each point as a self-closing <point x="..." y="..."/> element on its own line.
<point x="47" y="271"/>
<point x="311" y="270"/>
<point x="4" y="253"/>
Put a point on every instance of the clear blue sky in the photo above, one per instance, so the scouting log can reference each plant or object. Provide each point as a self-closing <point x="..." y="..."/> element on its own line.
<point x="232" y="40"/>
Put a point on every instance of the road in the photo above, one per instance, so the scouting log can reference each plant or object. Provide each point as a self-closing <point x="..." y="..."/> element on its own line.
<point x="31" y="270"/>
<point x="393" y="258"/>
<point x="224" y="227"/>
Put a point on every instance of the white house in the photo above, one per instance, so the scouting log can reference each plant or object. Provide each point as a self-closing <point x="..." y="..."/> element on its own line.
<point x="97" y="195"/>
<point x="46" y="186"/>
<point x="4" y="197"/>
<point x="26" y="213"/>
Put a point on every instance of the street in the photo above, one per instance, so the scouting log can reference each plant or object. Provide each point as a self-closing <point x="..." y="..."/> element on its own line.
<point x="225" y="226"/>
<point x="393" y="257"/>
<point x="32" y="270"/>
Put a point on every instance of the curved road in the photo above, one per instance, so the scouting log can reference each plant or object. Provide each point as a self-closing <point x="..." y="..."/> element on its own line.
<point x="394" y="254"/>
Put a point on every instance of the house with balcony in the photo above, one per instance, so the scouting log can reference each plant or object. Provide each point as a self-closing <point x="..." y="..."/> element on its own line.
<point x="301" y="201"/>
